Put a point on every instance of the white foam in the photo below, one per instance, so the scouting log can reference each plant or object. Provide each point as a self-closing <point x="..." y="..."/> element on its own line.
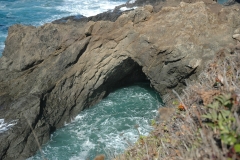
<point x="80" y="117"/>
<point x="5" y="126"/>
<point x="48" y="20"/>
<point x="124" y="8"/>
<point x="87" y="145"/>
<point x="132" y="1"/>
<point x="2" y="43"/>
<point x="127" y="9"/>
<point x="88" y="7"/>
<point x="101" y="129"/>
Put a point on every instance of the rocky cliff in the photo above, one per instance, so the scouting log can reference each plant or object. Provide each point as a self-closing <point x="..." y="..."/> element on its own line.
<point x="50" y="73"/>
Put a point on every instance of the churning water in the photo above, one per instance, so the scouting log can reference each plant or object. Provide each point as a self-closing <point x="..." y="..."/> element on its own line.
<point x="38" y="12"/>
<point x="106" y="128"/>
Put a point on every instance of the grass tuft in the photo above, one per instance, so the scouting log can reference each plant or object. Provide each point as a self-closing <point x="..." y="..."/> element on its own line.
<point x="205" y="121"/>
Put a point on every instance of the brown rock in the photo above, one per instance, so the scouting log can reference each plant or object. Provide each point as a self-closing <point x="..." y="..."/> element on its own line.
<point x="89" y="28"/>
<point x="149" y="8"/>
<point x="50" y="73"/>
<point x="99" y="157"/>
<point x="236" y="36"/>
<point x="237" y="31"/>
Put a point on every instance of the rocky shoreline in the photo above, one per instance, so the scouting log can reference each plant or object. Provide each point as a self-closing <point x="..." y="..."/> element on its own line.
<point x="52" y="72"/>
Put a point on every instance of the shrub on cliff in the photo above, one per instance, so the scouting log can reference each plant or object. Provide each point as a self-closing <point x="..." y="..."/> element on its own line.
<point x="205" y="123"/>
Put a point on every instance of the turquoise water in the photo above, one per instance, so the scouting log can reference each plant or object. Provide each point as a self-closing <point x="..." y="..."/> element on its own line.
<point x="38" y="12"/>
<point x="222" y="1"/>
<point x="106" y="128"/>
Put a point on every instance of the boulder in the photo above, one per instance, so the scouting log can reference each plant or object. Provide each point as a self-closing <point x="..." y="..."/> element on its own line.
<point x="52" y="72"/>
<point x="237" y="37"/>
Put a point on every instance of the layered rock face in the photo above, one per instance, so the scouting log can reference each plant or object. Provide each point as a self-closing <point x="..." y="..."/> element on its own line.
<point x="50" y="73"/>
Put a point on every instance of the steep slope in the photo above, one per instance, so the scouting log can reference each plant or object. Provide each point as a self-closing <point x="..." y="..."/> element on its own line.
<point x="50" y="73"/>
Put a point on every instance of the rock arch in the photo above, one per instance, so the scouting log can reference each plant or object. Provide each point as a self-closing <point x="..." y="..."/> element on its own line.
<point x="54" y="71"/>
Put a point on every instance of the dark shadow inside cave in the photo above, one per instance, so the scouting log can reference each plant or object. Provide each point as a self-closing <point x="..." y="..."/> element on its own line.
<point x="123" y="115"/>
<point x="126" y="73"/>
<point x="141" y="106"/>
<point x="134" y="75"/>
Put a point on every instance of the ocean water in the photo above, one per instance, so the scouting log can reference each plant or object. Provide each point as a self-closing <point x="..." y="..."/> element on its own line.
<point x="5" y="126"/>
<point x="38" y="12"/>
<point x="106" y="128"/>
<point x="222" y="1"/>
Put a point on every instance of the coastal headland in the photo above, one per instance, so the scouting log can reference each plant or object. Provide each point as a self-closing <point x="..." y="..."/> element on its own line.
<point x="52" y="72"/>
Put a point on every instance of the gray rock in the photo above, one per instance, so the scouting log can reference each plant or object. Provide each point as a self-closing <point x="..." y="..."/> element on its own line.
<point x="237" y="37"/>
<point x="50" y="73"/>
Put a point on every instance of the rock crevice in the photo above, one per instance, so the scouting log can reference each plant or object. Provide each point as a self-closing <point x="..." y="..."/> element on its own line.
<point x="51" y="73"/>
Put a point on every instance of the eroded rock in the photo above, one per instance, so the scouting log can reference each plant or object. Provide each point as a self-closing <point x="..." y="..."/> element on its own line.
<point x="50" y="73"/>
<point x="237" y="37"/>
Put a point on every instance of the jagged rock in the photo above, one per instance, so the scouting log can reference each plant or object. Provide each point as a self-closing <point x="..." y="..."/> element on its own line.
<point x="236" y="36"/>
<point x="50" y="73"/>
<point x="89" y="28"/>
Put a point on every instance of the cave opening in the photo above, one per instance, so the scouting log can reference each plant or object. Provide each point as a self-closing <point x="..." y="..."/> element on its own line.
<point x="111" y="124"/>
<point x="130" y="73"/>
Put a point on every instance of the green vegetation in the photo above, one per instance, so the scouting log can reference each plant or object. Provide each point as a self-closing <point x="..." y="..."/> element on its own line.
<point x="205" y="121"/>
<point x="222" y="120"/>
<point x="153" y="122"/>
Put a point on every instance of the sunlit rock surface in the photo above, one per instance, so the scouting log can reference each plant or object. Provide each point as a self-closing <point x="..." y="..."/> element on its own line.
<point x="50" y="73"/>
